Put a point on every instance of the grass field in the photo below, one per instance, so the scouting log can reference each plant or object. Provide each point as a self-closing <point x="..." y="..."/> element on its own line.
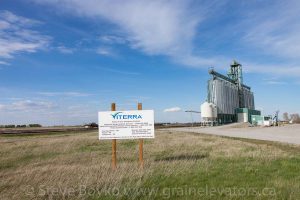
<point x="177" y="166"/>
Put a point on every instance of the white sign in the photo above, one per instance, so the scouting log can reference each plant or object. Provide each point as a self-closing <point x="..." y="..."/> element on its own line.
<point x="126" y="124"/>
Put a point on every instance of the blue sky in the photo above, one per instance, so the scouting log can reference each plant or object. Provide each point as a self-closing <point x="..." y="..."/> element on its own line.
<point x="62" y="61"/>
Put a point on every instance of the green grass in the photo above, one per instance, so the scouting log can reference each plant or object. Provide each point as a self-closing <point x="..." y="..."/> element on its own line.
<point x="225" y="179"/>
<point x="177" y="166"/>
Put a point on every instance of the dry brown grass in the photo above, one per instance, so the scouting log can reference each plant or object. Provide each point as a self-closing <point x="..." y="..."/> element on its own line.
<point x="80" y="159"/>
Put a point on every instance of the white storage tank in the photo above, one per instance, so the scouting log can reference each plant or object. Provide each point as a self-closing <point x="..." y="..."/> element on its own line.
<point x="208" y="111"/>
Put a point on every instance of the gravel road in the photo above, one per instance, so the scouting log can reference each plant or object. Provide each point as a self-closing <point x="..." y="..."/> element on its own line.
<point x="287" y="133"/>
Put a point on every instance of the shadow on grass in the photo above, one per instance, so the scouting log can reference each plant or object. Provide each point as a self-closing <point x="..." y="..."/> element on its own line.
<point x="183" y="157"/>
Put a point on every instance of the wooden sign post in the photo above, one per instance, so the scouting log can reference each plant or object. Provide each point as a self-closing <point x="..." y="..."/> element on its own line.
<point x="114" y="145"/>
<point x="141" y="160"/>
<point x="130" y="124"/>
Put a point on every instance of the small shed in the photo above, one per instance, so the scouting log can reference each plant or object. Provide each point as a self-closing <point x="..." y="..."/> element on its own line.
<point x="245" y="114"/>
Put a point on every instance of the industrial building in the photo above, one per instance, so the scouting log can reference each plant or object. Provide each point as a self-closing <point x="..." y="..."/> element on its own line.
<point x="228" y="99"/>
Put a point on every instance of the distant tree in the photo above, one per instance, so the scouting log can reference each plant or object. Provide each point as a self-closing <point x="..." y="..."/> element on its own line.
<point x="10" y="126"/>
<point x="295" y="118"/>
<point x="92" y="125"/>
<point x="286" y="116"/>
<point x="21" y="126"/>
<point x="35" y="125"/>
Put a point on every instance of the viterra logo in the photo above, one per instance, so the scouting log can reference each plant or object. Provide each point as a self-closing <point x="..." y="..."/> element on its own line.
<point x="118" y="115"/>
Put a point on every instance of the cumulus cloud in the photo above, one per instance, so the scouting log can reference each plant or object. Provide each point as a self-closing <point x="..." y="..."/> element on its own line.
<point x="17" y="35"/>
<point x="174" y="109"/>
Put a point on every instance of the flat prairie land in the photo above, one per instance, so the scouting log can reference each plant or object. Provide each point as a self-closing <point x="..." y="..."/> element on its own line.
<point x="178" y="165"/>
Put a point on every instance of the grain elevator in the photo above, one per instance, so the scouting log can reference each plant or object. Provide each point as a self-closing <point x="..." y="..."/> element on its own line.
<point x="228" y="98"/>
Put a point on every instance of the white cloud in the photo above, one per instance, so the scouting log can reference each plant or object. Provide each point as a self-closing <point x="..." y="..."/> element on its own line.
<point x="155" y="27"/>
<point x="118" y="71"/>
<point x="67" y="94"/>
<point x="65" y="50"/>
<point x="17" y="35"/>
<point x="4" y="63"/>
<point x="26" y="105"/>
<point x="105" y="51"/>
<point x="280" y="70"/>
<point x="275" y="33"/>
<point x="161" y="27"/>
<point x="46" y="112"/>
<point x="272" y="82"/>
<point x="174" y="109"/>
<point x="10" y="18"/>
<point x="113" y="39"/>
